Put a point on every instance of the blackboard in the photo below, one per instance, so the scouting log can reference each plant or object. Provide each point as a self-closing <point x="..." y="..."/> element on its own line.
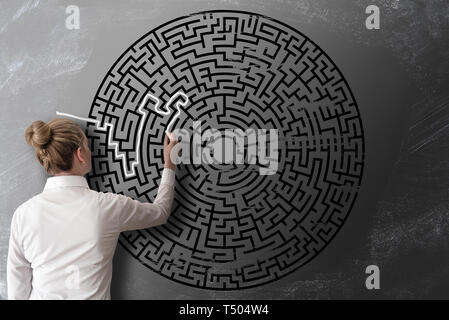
<point x="397" y="73"/>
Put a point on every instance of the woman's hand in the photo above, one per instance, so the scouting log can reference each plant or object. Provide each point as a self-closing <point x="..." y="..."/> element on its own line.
<point x="169" y="146"/>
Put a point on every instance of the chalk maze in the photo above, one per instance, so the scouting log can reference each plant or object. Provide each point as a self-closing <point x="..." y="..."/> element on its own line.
<point x="230" y="227"/>
<point x="107" y="127"/>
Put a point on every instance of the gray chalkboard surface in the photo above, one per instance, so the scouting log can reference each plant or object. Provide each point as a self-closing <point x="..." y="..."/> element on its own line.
<point x="398" y="75"/>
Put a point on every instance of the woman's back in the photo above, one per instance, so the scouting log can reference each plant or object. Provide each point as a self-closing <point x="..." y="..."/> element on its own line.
<point x="66" y="237"/>
<point x="69" y="240"/>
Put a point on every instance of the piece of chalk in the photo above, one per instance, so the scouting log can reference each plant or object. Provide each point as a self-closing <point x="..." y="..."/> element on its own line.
<point x="171" y="136"/>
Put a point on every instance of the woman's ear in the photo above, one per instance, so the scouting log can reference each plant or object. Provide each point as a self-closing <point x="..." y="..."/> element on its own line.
<point x="79" y="155"/>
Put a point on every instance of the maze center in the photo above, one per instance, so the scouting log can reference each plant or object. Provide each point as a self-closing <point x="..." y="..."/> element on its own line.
<point x="232" y="227"/>
<point x="224" y="114"/>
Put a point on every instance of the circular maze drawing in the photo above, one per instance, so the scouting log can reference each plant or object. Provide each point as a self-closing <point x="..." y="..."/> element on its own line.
<point x="231" y="227"/>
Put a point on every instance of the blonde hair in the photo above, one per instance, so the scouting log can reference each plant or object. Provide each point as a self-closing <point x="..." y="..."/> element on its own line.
<point x="55" y="143"/>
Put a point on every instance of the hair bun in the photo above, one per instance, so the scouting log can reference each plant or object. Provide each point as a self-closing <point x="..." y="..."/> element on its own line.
<point x="38" y="134"/>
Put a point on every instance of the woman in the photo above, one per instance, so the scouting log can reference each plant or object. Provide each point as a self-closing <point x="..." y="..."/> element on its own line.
<point x="62" y="240"/>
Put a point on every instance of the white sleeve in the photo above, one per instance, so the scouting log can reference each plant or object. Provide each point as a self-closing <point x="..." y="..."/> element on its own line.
<point x="18" y="269"/>
<point x="132" y="214"/>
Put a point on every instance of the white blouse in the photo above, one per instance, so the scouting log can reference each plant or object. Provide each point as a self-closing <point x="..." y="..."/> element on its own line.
<point x="63" y="240"/>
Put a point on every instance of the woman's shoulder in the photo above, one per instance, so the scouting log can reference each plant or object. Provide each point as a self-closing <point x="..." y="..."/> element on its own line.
<point x="107" y="196"/>
<point x="23" y="207"/>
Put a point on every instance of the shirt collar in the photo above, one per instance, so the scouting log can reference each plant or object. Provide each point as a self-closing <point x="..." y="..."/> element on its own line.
<point x="65" y="181"/>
